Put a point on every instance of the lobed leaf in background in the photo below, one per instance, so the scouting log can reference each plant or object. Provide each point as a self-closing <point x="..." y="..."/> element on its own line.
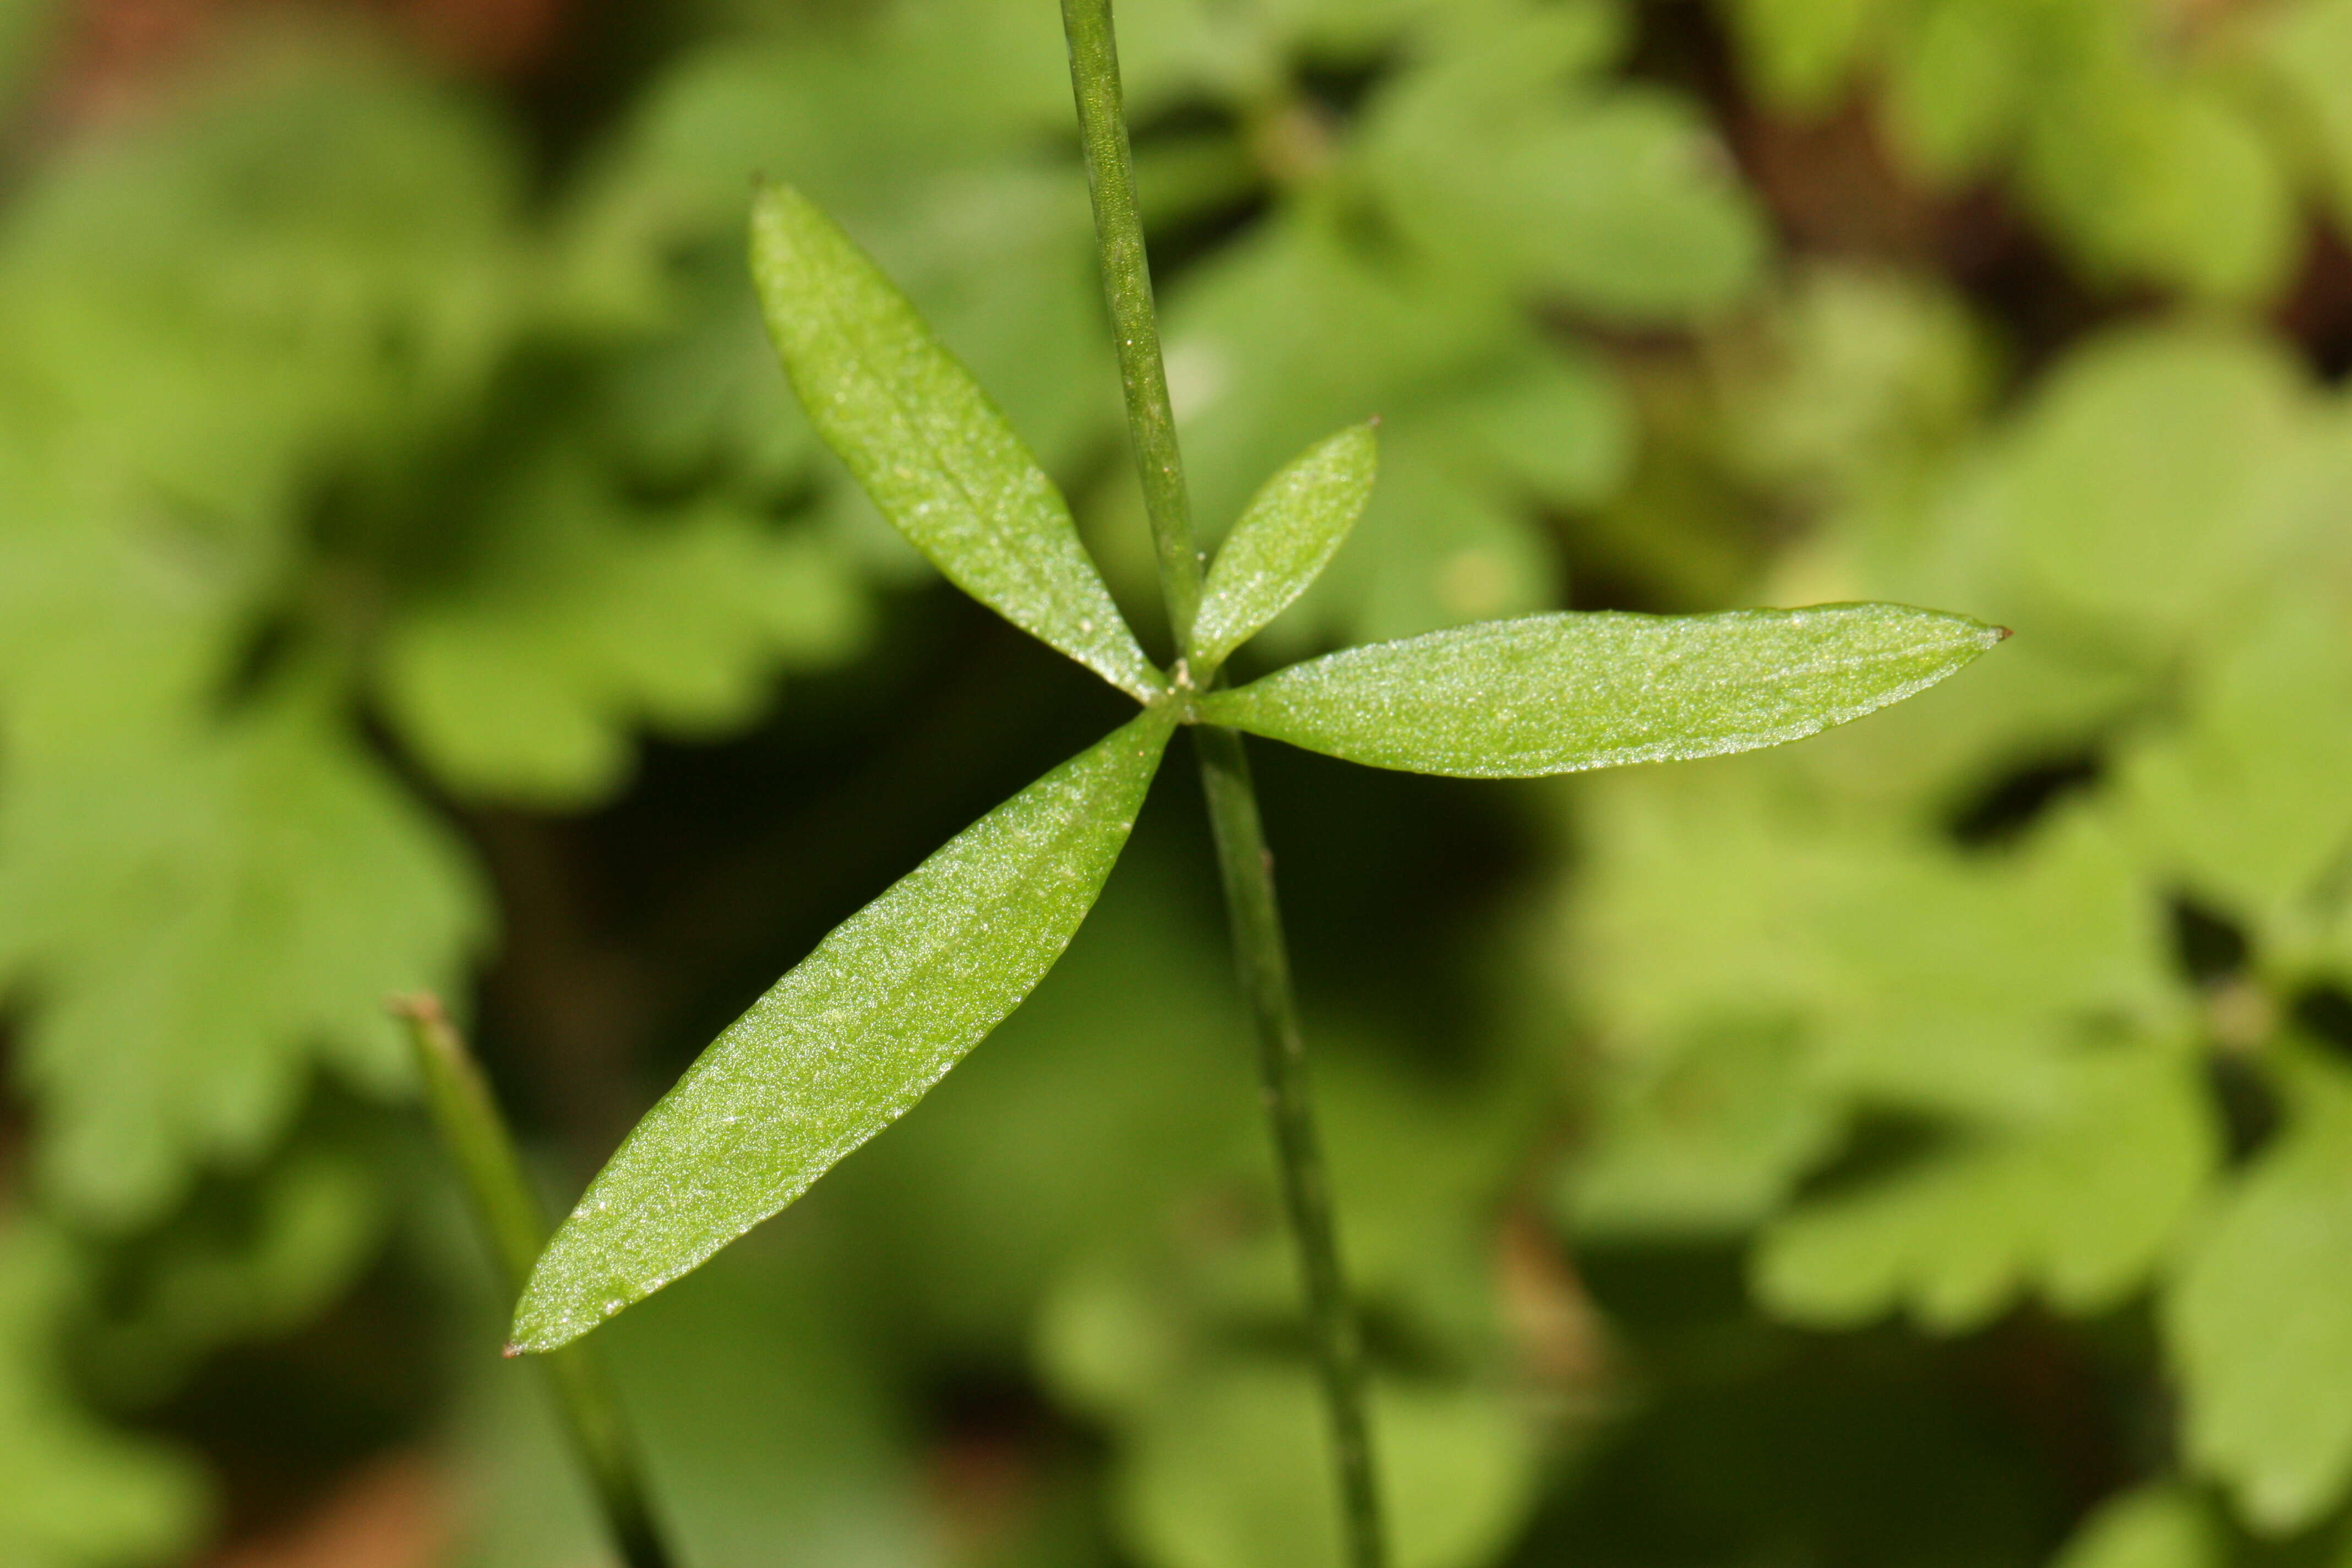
<point x="1946" y="1054"/>
<point x="917" y="125"/>
<point x="2176" y="156"/>
<point x="581" y="619"/>
<point x="278" y="373"/>
<point x="205" y="929"/>
<point x="2242" y="1320"/>
<point x="339" y="245"/>
<point x="252" y="1255"/>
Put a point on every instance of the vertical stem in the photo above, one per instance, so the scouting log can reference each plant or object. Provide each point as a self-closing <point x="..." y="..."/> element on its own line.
<point x="1246" y="868"/>
<point x="467" y="1116"/>
<point x="1245" y="865"/>
<point x="1127" y="279"/>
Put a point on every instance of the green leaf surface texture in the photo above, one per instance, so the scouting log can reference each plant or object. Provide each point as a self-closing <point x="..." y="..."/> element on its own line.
<point x="938" y="459"/>
<point x="1284" y="540"/>
<point x="1560" y="693"/>
<point x="848" y="1040"/>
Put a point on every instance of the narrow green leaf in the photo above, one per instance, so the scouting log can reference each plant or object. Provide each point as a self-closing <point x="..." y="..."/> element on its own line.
<point x="848" y="1040"/>
<point x="1558" y="693"/>
<point x="1283" y="541"/>
<point x="939" y="459"/>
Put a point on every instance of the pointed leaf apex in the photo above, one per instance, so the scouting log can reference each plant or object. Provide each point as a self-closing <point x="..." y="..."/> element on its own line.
<point x="1289" y="532"/>
<point x="939" y="459"/>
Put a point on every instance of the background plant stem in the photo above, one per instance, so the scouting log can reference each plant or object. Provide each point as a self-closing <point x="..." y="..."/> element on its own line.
<point x="467" y="1116"/>
<point x="1245" y="865"/>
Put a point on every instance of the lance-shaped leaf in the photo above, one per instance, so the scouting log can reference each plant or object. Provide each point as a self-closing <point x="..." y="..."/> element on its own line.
<point x="937" y="456"/>
<point x="1554" y="694"/>
<point x="1284" y="539"/>
<point x="848" y="1040"/>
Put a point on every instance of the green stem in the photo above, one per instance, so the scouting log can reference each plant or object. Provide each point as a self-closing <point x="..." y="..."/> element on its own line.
<point x="467" y="1116"/>
<point x="1246" y="866"/>
<point x="1127" y="279"/>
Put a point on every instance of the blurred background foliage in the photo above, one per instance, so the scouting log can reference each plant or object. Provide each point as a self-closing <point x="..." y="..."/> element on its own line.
<point x="1929" y="1145"/>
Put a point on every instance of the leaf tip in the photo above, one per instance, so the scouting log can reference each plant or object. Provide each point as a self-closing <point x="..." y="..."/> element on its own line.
<point x="549" y="1316"/>
<point x="776" y="200"/>
<point x="537" y="1331"/>
<point x="2002" y="634"/>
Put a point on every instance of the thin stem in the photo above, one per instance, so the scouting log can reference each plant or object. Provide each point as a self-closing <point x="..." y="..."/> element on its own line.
<point x="467" y="1116"/>
<point x="1127" y="280"/>
<point x="1245" y="865"/>
<point x="1246" y="868"/>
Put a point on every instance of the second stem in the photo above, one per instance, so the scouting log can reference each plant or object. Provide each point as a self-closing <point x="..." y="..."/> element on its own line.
<point x="1245" y="865"/>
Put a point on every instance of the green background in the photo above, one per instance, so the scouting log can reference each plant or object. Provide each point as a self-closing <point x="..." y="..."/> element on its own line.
<point x="1927" y="1144"/>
